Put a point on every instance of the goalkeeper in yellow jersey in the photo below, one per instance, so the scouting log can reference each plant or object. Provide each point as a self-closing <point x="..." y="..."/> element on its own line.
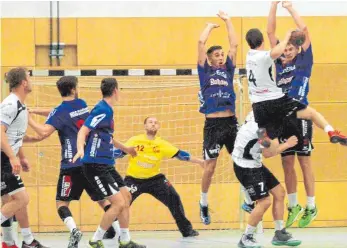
<point x="143" y="173"/>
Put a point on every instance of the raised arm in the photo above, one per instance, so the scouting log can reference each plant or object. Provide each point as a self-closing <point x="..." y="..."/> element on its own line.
<point x="202" y="41"/>
<point x="231" y="36"/>
<point x="299" y="23"/>
<point x="126" y="149"/>
<point x="185" y="156"/>
<point x="44" y="130"/>
<point x="271" y="24"/>
<point x="278" y="50"/>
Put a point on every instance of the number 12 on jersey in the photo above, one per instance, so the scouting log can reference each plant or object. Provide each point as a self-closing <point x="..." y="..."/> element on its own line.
<point x="251" y="78"/>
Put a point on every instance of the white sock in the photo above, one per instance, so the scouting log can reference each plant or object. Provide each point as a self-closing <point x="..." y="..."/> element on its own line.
<point x="27" y="236"/>
<point x="3" y="218"/>
<point x="328" y="128"/>
<point x="70" y="223"/>
<point x="279" y="225"/>
<point x="293" y="199"/>
<point x="250" y="229"/>
<point x="311" y="204"/>
<point x="124" y="235"/>
<point x="99" y="234"/>
<point x="116" y="228"/>
<point x="203" y="199"/>
<point x="7" y="236"/>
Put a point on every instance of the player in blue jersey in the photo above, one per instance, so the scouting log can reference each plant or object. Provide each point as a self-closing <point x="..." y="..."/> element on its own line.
<point x="95" y="146"/>
<point x="67" y="119"/>
<point x="217" y="99"/>
<point x="293" y="72"/>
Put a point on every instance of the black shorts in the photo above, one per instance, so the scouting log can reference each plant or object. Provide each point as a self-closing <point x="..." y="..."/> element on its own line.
<point x="104" y="178"/>
<point x="10" y="183"/>
<point x="302" y="129"/>
<point x="217" y="133"/>
<point x="257" y="181"/>
<point x="273" y="114"/>
<point x="71" y="184"/>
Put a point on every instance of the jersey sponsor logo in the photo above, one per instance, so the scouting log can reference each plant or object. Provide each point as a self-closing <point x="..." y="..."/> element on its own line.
<point x="156" y="149"/>
<point x="221" y="94"/>
<point x="285" y="81"/>
<point x="220" y="73"/>
<point x="132" y="189"/>
<point x="68" y="150"/>
<point x="66" y="186"/>
<point x="262" y="91"/>
<point x="79" y="112"/>
<point x="218" y="82"/>
<point x="216" y="150"/>
<point x="287" y="69"/>
<point x="97" y="119"/>
<point x="145" y="165"/>
<point x="95" y="143"/>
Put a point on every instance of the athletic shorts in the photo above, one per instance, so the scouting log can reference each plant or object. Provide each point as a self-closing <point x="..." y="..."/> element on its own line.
<point x="257" y="181"/>
<point x="302" y="129"/>
<point x="71" y="184"/>
<point x="273" y="114"/>
<point x="104" y="178"/>
<point x="10" y="183"/>
<point x="217" y="133"/>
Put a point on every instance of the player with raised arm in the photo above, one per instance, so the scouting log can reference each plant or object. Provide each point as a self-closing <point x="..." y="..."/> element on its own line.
<point x="67" y="119"/>
<point x="14" y="123"/>
<point x="95" y="145"/>
<point x="272" y="108"/>
<point x="217" y="98"/>
<point x="293" y="72"/>
<point x="259" y="182"/>
<point x="143" y="173"/>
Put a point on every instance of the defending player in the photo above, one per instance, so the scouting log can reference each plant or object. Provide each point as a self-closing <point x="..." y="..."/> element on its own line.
<point x="98" y="160"/>
<point x="14" y="122"/>
<point x="293" y="72"/>
<point x="143" y="173"/>
<point x="217" y="98"/>
<point x="259" y="182"/>
<point x="67" y="118"/>
<point x="272" y="108"/>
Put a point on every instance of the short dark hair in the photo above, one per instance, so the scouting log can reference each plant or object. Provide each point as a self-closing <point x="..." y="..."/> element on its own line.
<point x="15" y="77"/>
<point x="254" y="38"/>
<point x="108" y="85"/>
<point x="66" y="84"/>
<point x="212" y="49"/>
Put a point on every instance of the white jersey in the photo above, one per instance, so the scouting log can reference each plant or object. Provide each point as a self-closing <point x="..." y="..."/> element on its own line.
<point x="14" y="115"/>
<point x="247" y="150"/>
<point x="261" y="86"/>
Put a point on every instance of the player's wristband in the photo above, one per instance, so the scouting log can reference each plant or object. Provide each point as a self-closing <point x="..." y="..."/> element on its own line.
<point x="118" y="153"/>
<point x="182" y="155"/>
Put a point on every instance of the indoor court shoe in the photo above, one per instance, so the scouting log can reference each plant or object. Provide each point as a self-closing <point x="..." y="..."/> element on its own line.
<point x="248" y="241"/>
<point x="75" y="238"/>
<point x="337" y="137"/>
<point x="191" y="233"/>
<point x="4" y="245"/>
<point x="308" y="217"/>
<point x="34" y="244"/>
<point x="293" y="214"/>
<point x="284" y="238"/>
<point x="96" y="244"/>
<point x="110" y="234"/>
<point x="131" y="244"/>
<point x="247" y="207"/>
<point x="204" y="215"/>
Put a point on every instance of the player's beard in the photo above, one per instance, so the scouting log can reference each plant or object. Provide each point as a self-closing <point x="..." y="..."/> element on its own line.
<point x="152" y="132"/>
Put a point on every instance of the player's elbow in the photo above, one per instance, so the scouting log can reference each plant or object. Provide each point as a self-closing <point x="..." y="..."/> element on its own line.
<point x="267" y="154"/>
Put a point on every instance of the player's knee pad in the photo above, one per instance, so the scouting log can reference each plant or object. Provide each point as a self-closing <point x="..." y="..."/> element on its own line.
<point x="7" y="223"/>
<point x="64" y="212"/>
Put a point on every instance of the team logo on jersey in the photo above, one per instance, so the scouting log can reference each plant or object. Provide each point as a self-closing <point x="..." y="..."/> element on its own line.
<point x="156" y="149"/>
<point x="285" y="81"/>
<point x="97" y="119"/>
<point x="66" y="186"/>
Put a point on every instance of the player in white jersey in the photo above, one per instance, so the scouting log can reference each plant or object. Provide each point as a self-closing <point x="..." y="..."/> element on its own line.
<point x="271" y="107"/>
<point x="259" y="182"/>
<point x="14" y="122"/>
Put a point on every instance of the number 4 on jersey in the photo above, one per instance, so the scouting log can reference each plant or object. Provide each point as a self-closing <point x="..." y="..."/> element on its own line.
<point x="251" y="78"/>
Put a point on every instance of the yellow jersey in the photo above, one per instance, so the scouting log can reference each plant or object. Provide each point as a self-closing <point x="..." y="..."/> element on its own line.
<point x="149" y="156"/>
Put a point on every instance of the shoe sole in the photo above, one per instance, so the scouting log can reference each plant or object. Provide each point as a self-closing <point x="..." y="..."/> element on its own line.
<point x="243" y="246"/>
<point x="314" y="217"/>
<point x="287" y="243"/>
<point x="336" y="140"/>
<point x="76" y="241"/>
<point x="296" y="218"/>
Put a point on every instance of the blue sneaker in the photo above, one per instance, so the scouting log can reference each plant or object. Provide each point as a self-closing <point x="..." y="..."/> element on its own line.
<point x="247" y="207"/>
<point x="204" y="215"/>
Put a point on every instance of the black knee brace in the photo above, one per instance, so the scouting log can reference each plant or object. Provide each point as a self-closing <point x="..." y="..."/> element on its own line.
<point x="64" y="212"/>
